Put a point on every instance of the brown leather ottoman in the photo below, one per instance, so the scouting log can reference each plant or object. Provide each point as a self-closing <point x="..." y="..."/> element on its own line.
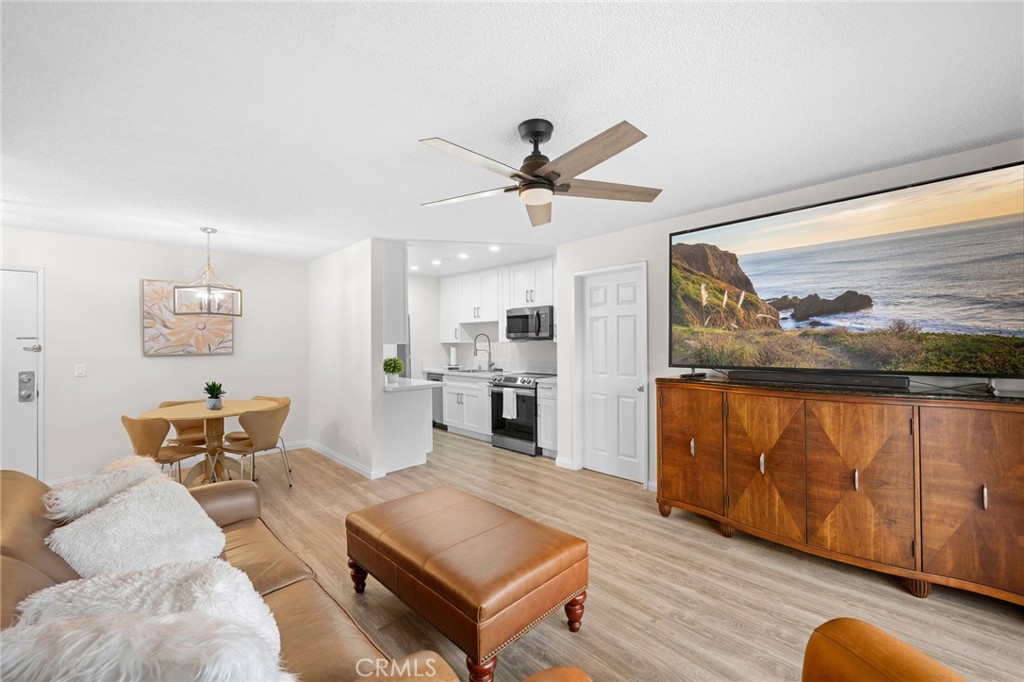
<point x="479" y="573"/>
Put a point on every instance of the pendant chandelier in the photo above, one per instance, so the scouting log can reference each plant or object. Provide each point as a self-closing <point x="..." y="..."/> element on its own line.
<point x="207" y="295"/>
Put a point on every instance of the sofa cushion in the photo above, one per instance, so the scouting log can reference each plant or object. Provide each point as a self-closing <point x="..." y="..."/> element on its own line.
<point x="152" y="523"/>
<point x="252" y="548"/>
<point x="17" y="581"/>
<point x="24" y="526"/>
<point x="319" y="641"/>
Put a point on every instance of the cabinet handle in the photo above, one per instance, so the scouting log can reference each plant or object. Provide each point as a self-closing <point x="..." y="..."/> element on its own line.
<point x="760" y="463"/>
<point x="693" y="447"/>
<point x="856" y="480"/>
<point x="984" y="497"/>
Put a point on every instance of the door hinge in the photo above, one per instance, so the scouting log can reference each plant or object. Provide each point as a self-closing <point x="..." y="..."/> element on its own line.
<point x="727" y="407"/>
<point x="913" y="548"/>
<point x="911" y="426"/>
<point x="661" y="398"/>
<point x="726" y="503"/>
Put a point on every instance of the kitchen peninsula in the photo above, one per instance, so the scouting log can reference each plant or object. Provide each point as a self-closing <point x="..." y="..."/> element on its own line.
<point x="408" y="434"/>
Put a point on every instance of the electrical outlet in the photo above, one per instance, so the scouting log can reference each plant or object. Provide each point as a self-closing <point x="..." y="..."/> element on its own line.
<point x="80" y="370"/>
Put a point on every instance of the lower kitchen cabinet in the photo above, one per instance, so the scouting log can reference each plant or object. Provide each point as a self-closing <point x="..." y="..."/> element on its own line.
<point x="547" y="417"/>
<point x="467" y="405"/>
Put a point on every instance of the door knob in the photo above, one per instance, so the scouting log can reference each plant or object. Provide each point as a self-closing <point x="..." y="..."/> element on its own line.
<point x="25" y="395"/>
<point x="640" y="388"/>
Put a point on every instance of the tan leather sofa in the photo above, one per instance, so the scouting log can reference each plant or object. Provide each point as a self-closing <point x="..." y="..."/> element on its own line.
<point x="319" y="641"/>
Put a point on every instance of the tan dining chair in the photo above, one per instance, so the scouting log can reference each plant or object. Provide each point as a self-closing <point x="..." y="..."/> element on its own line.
<point x="186" y="431"/>
<point x="263" y="432"/>
<point x="147" y="437"/>
<point x="235" y="436"/>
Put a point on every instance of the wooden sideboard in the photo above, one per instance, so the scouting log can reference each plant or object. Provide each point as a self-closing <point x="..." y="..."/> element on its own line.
<point x="925" y="487"/>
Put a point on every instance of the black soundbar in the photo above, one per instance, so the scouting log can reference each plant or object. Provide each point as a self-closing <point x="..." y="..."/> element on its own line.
<point x="866" y="381"/>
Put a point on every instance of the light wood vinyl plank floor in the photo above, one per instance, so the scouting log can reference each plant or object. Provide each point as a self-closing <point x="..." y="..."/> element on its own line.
<point x="670" y="599"/>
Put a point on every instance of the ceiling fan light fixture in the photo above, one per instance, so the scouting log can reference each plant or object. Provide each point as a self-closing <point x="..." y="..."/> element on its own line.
<point x="535" y="194"/>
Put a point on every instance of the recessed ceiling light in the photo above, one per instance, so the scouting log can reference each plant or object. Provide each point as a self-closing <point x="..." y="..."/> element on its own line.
<point x="495" y="248"/>
<point x="435" y="262"/>
<point x="463" y="256"/>
<point x="414" y="267"/>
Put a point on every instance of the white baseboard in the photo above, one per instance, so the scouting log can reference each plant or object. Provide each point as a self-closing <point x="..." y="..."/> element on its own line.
<point x="344" y="460"/>
<point x="652" y="486"/>
<point x="565" y="463"/>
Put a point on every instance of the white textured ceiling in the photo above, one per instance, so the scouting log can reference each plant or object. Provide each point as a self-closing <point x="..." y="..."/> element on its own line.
<point x="293" y="127"/>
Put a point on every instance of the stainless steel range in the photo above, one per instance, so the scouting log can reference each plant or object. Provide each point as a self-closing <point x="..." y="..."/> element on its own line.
<point x="514" y="412"/>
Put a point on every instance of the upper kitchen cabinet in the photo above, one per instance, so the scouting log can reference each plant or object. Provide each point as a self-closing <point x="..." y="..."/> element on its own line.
<point x="532" y="284"/>
<point x="478" y="297"/>
<point x="448" y="307"/>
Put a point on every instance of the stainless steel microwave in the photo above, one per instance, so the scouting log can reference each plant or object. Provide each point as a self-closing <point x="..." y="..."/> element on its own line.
<point x="530" y="324"/>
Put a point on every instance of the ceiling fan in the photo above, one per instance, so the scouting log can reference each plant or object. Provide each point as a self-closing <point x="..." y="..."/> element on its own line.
<point x="539" y="178"/>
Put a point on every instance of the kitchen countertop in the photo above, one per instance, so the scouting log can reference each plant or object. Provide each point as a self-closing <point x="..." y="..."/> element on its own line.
<point x="410" y="385"/>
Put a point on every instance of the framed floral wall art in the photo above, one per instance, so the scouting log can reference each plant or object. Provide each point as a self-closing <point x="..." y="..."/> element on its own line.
<point x="164" y="333"/>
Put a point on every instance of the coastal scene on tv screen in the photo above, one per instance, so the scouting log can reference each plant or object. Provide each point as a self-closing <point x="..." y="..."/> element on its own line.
<point x="922" y="280"/>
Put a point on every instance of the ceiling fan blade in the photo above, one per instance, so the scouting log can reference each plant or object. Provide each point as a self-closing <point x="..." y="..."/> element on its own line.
<point x="479" y="159"/>
<point x="592" y="189"/>
<point x="539" y="215"/>
<point x="471" y="196"/>
<point x="592" y="152"/>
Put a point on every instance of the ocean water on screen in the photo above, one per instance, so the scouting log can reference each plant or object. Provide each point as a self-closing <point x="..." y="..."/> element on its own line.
<point x="965" y="278"/>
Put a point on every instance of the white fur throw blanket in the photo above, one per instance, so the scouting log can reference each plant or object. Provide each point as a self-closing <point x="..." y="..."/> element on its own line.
<point x="209" y="586"/>
<point x="68" y="501"/>
<point x="181" y="647"/>
<point x="152" y="523"/>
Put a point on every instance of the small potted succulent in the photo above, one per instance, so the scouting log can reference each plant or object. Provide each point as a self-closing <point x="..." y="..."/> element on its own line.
<point x="393" y="367"/>
<point x="213" y="391"/>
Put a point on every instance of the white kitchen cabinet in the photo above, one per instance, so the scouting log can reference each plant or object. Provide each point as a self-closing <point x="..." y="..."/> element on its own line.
<point x="478" y="296"/>
<point x="532" y="284"/>
<point x="467" y="405"/>
<point x="448" y="308"/>
<point x="547" y="418"/>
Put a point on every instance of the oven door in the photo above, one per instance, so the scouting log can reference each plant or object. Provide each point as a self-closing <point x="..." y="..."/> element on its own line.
<point x="517" y="433"/>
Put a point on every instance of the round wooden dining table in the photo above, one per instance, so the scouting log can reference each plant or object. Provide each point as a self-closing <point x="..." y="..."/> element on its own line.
<point x="215" y="466"/>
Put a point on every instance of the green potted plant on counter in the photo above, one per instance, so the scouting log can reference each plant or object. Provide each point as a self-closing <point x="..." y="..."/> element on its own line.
<point x="213" y="392"/>
<point x="393" y="367"/>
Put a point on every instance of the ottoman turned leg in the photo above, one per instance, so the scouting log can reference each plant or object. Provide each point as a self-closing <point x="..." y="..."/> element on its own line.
<point x="574" y="611"/>
<point x="358" y="574"/>
<point x="483" y="671"/>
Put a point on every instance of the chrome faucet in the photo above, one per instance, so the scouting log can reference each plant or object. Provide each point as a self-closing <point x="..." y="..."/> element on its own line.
<point x="490" y="365"/>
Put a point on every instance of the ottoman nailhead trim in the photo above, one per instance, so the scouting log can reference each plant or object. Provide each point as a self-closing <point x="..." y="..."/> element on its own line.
<point x="538" y="619"/>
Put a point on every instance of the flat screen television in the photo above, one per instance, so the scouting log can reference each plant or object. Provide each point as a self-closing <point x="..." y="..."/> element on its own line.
<point x="919" y="280"/>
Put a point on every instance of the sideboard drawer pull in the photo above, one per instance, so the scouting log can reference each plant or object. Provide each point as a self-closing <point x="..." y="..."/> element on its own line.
<point x="693" y="447"/>
<point x="984" y="497"/>
<point x="760" y="463"/>
<point x="856" y="479"/>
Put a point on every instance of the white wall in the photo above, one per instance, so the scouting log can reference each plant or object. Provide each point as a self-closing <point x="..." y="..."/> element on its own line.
<point x="649" y="243"/>
<point x="93" y="316"/>
<point x="346" y="379"/>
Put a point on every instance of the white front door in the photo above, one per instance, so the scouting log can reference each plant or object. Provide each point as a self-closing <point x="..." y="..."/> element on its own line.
<point x="19" y="376"/>
<point x="614" y="372"/>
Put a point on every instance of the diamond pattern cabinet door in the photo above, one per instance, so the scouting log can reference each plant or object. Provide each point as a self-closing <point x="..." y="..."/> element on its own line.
<point x="860" y="480"/>
<point x="971" y="459"/>
<point x="773" y="501"/>
<point x="690" y="447"/>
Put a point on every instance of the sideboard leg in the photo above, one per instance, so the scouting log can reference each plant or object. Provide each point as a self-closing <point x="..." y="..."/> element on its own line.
<point x="726" y="530"/>
<point x="664" y="509"/>
<point x="918" y="588"/>
<point x="358" y="574"/>
<point x="482" y="671"/>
